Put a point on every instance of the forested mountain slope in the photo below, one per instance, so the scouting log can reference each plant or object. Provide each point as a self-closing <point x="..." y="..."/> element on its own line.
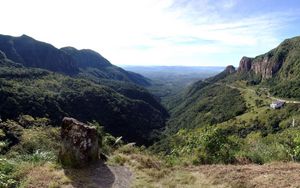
<point x="42" y="93"/>
<point x="278" y="69"/>
<point x="70" y="61"/>
<point x="227" y="118"/>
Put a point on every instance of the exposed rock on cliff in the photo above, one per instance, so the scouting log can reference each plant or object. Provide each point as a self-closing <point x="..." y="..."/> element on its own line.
<point x="227" y="71"/>
<point x="230" y="69"/>
<point x="280" y="59"/>
<point x="245" y="64"/>
<point x="79" y="143"/>
<point x="265" y="65"/>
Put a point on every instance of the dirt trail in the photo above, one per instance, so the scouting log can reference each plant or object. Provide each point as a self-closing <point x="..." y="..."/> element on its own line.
<point x="99" y="175"/>
<point x="269" y="95"/>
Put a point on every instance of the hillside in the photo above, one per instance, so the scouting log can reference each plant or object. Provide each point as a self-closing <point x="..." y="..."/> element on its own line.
<point x="204" y="104"/>
<point x="95" y="67"/>
<point x="136" y="115"/>
<point x="277" y="69"/>
<point x="77" y="63"/>
<point x="227" y="118"/>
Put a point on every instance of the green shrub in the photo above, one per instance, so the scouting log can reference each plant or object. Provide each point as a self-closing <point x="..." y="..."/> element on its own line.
<point x="38" y="157"/>
<point x="38" y="139"/>
<point x="6" y="170"/>
<point x="259" y="149"/>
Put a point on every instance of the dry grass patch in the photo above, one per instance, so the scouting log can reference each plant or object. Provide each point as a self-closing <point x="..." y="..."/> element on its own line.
<point x="269" y="175"/>
<point x="48" y="175"/>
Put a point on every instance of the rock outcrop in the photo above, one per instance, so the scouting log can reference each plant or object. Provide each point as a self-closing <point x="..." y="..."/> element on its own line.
<point x="79" y="143"/>
<point x="230" y="69"/>
<point x="265" y="65"/>
<point x="245" y="64"/>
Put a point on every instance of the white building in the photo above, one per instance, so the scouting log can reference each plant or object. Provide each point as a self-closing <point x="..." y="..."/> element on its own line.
<point x="277" y="104"/>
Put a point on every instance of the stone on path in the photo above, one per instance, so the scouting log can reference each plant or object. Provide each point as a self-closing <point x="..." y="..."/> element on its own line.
<point x="80" y="145"/>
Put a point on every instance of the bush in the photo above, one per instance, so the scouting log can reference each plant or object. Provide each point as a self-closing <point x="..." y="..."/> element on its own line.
<point x="202" y="146"/>
<point x="38" y="139"/>
<point x="6" y="170"/>
<point x="259" y="149"/>
<point x="216" y="147"/>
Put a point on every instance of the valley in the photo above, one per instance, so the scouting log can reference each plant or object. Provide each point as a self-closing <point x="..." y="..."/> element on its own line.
<point x="150" y="94"/>
<point x="168" y="81"/>
<point x="181" y="127"/>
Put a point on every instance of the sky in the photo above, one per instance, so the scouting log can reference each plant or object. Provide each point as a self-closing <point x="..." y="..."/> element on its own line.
<point x="157" y="32"/>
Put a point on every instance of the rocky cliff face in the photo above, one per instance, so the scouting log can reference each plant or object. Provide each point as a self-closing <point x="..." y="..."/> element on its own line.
<point x="280" y="61"/>
<point x="266" y="65"/>
<point x="245" y="64"/>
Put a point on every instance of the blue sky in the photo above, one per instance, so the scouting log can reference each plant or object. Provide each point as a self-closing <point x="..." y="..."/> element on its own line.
<point x="157" y="32"/>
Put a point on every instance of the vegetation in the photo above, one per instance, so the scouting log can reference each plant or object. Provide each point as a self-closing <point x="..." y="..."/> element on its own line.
<point x="135" y="115"/>
<point x="284" y="61"/>
<point x="85" y="64"/>
<point x="257" y="135"/>
<point x="205" y="104"/>
<point x="221" y="120"/>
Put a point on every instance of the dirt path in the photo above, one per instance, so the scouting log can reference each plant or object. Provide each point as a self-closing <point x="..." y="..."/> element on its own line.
<point x="99" y="175"/>
<point x="123" y="176"/>
<point x="268" y="95"/>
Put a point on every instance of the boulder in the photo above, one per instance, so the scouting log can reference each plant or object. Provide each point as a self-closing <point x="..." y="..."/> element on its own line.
<point x="80" y="144"/>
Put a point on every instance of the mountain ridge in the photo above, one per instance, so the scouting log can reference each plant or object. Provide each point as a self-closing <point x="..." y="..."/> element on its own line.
<point x="68" y="60"/>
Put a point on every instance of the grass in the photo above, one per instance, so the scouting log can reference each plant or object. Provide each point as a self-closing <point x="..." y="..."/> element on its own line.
<point x="47" y="175"/>
<point x="250" y="96"/>
<point x="151" y="172"/>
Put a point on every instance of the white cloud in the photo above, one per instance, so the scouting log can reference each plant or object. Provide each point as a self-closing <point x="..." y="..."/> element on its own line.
<point x="144" y="32"/>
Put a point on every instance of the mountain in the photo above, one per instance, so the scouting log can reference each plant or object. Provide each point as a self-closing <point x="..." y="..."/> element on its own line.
<point x="43" y="81"/>
<point x="229" y="70"/>
<point x="31" y="53"/>
<point x="211" y="101"/>
<point x="277" y="62"/>
<point x="227" y="118"/>
<point x="41" y="93"/>
<point x="77" y="63"/>
<point x="95" y="67"/>
<point x="204" y="104"/>
<point x="278" y="69"/>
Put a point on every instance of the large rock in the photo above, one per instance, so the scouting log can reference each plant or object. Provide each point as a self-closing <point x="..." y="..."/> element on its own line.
<point x="79" y="143"/>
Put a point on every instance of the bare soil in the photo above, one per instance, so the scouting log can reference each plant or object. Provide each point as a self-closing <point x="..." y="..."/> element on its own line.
<point x="98" y="175"/>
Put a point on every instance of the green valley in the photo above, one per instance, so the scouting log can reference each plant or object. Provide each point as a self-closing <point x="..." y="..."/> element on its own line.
<point x="208" y="133"/>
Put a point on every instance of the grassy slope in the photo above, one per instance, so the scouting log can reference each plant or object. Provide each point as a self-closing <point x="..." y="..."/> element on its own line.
<point x="258" y="135"/>
<point x="205" y="104"/>
<point x="151" y="171"/>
